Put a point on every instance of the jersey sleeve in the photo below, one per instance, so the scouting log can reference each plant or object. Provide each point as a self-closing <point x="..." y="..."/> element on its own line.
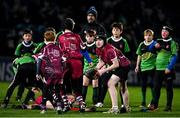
<point x="111" y="54"/>
<point x="17" y="51"/>
<point x="38" y="48"/>
<point x="174" y="48"/>
<point x="126" y="46"/>
<point x="138" y="52"/>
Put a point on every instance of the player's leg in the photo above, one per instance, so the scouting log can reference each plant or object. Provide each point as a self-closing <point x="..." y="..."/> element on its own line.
<point x="152" y="75"/>
<point x="16" y="81"/>
<point x="85" y="87"/>
<point x="77" y="89"/>
<point x="159" y="77"/>
<point x="102" y="84"/>
<point x="125" y="95"/>
<point x="113" y="93"/>
<point x="20" y="92"/>
<point x="144" y="78"/>
<point x="95" y="91"/>
<point x="169" y="90"/>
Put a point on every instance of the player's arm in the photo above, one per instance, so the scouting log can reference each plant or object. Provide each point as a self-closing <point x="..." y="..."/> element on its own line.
<point x="173" y="59"/>
<point x="18" y="51"/>
<point x="138" y="63"/>
<point x="100" y="64"/>
<point x="115" y="64"/>
<point x="86" y="55"/>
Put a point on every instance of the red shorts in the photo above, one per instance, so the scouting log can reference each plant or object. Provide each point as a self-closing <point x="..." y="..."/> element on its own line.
<point x="76" y="68"/>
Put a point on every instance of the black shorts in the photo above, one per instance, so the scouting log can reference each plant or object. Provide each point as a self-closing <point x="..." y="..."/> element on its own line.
<point x="121" y="72"/>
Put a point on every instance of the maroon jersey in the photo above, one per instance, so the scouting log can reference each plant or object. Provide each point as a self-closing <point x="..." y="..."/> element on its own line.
<point x="71" y="45"/>
<point x="108" y="53"/>
<point x="52" y="67"/>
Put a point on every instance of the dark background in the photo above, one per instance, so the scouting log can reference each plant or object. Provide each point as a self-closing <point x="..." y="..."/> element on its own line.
<point x="136" y="15"/>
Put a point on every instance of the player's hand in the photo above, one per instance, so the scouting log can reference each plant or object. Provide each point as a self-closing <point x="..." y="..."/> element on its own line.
<point x="157" y="45"/>
<point x="35" y="89"/>
<point x="38" y="77"/>
<point x="137" y="69"/>
<point x="64" y="59"/>
<point x="90" y="64"/>
<point x="167" y="71"/>
<point x="100" y="72"/>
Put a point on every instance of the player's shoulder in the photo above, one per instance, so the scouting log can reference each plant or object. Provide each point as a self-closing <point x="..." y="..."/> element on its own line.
<point x="124" y="39"/>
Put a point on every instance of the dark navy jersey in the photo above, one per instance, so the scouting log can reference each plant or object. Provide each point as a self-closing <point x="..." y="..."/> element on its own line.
<point x="91" y="48"/>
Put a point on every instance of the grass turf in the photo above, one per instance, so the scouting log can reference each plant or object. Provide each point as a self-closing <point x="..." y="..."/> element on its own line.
<point x="135" y="100"/>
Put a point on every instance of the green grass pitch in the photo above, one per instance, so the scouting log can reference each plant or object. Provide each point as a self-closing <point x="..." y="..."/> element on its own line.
<point x="135" y="100"/>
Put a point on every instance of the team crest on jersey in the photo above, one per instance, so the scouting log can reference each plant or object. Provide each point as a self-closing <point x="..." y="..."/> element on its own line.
<point x="167" y="46"/>
<point x="121" y="46"/>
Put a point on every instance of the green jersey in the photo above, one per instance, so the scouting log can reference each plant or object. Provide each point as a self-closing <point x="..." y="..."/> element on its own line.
<point x="120" y="44"/>
<point x="24" y="53"/>
<point x="91" y="48"/>
<point x="148" y="58"/>
<point x="39" y="47"/>
<point x="168" y="48"/>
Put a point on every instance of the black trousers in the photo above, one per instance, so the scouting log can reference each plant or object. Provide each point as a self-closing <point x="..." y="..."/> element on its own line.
<point x="26" y="75"/>
<point x="160" y="76"/>
<point x="147" y="76"/>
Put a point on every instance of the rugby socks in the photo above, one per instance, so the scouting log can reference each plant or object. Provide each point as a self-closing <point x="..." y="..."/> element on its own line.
<point x="84" y="92"/>
<point x="95" y="95"/>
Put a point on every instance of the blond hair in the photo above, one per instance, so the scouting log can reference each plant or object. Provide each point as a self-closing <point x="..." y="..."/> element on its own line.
<point x="148" y="31"/>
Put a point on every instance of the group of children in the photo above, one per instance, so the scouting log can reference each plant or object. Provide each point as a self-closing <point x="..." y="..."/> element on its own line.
<point x="156" y="60"/>
<point x="58" y="68"/>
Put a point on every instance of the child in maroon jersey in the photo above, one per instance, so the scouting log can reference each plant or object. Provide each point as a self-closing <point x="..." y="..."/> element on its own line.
<point x="118" y="65"/>
<point x="71" y="46"/>
<point x="50" y="64"/>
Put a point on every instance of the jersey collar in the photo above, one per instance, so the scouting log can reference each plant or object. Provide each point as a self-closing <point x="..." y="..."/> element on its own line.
<point x="27" y="45"/>
<point x="148" y="43"/>
<point x="89" y="45"/>
<point x="166" y="40"/>
<point x="116" y="40"/>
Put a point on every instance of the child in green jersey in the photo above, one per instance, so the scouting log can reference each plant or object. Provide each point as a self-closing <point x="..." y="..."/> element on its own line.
<point x="146" y="65"/>
<point x="91" y="48"/>
<point x="166" y="59"/>
<point x="24" y="63"/>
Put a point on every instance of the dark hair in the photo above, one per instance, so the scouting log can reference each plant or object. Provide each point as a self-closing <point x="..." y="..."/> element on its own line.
<point x="102" y="37"/>
<point x="68" y="24"/>
<point x="90" y="32"/>
<point x="117" y="25"/>
<point x="27" y="31"/>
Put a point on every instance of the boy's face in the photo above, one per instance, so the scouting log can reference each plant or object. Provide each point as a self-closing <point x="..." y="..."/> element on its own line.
<point x="99" y="43"/>
<point x="164" y="33"/>
<point x="116" y="32"/>
<point x="27" y="37"/>
<point x="90" y="38"/>
<point x="148" y="37"/>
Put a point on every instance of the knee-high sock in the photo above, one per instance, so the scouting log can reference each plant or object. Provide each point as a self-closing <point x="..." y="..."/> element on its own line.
<point x="143" y="94"/>
<point x="95" y="95"/>
<point x="84" y="92"/>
